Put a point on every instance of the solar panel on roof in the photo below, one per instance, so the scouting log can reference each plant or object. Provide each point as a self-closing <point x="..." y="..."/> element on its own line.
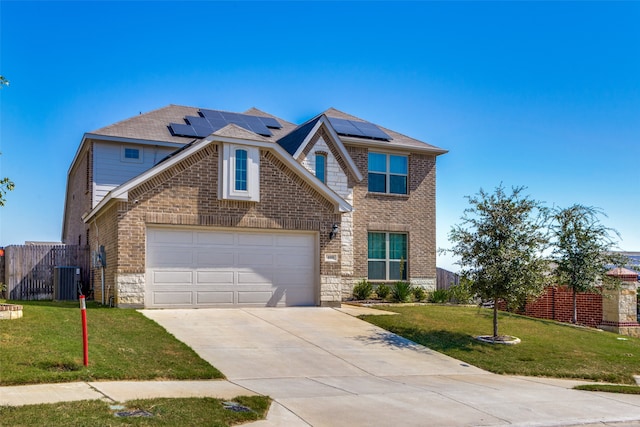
<point x="182" y="130"/>
<point x="197" y="121"/>
<point x="358" y="129"/>
<point x="202" y="131"/>
<point x="370" y="130"/>
<point x="270" y="122"/>
<point x="345" y="127"/>
<point x="210" y="121"/>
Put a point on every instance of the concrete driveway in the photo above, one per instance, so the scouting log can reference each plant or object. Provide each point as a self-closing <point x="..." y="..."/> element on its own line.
<point x="326" y="368"/>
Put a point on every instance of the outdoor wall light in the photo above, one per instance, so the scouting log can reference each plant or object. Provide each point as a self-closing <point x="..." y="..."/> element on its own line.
<point x="334" y="231"/>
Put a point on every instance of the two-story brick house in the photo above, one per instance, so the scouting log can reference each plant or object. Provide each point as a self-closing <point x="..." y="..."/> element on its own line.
<point x="188" y="207"/>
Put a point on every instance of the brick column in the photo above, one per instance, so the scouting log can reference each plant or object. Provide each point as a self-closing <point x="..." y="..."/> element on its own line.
<point x="620" y="306"/>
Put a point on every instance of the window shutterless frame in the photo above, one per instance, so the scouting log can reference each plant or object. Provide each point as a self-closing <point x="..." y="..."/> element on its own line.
<point x="321" y="167"/>
<point x="388" y="173"/>
<point x="387" y="256"/>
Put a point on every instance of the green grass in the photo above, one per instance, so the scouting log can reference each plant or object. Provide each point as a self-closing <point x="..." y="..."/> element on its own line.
<point x="548" y="348"/>
<point x="610" y="388"/>
<point x="45" y="346"/>
<point x="166" y="412"/>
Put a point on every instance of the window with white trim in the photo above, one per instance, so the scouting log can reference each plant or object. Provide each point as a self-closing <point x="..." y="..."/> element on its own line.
<point x="321" y="167"/>
<point x="387" y="256"/>
<point x="240" y="181"/>
<point x="240" y="173"/>
<point x="131" y="154"/>
<point x="388" y="173"/>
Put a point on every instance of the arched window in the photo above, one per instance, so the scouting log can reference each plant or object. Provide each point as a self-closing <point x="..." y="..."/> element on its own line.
<point x="241" y="170"/>
<point x="321" y="167"/>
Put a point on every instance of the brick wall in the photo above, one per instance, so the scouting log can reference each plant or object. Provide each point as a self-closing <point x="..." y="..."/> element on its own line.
<point x="78" y="196"/>
<point x="104" y="232"/>
<point x="414" y="214"/>
<point x="187" y="194"/>
<point x="557" y="304"/>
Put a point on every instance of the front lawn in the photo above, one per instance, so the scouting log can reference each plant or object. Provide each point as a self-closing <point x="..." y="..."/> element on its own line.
<point x="157" y="412"/>
<point x="45" y="346"/>
<point x="548" y="348"/>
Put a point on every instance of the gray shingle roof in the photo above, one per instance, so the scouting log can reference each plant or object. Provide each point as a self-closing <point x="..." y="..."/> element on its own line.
<point x="399" y="140"/>
<point x="153" y="126"/>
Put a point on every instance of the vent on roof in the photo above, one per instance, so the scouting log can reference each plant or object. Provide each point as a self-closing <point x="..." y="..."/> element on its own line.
<point x="358" y="129"/>
<point x="209" y="121"/>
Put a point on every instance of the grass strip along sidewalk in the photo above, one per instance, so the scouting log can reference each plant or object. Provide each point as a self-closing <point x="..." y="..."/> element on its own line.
<point x="147" y="412"/>
<point x="548" y="348"/>
<point x="45" y="346"/>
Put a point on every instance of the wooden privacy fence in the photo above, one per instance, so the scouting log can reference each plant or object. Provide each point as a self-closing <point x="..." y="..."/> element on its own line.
<point x="446" y="279"/>
<point x="29" y="269"/>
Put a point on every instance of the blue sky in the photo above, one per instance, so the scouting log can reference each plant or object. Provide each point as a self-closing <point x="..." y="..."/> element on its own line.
<point x="544" y="95"/>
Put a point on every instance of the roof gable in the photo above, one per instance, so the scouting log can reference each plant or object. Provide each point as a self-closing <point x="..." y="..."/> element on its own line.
<point x="122" y="192"/>
<point x="306" y="136"/>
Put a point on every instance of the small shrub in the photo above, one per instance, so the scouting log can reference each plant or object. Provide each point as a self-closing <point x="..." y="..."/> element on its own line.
<point x="383" y="291"/>
<point x="461" y="293"/>
<point x="439" y="296"/>
<point x="362" y="290"/>
<point x="418" y="293"/>
<point x="401" y="291"/>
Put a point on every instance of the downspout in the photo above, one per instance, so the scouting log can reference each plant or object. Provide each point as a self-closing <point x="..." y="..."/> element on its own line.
<point x="101" y="261"/>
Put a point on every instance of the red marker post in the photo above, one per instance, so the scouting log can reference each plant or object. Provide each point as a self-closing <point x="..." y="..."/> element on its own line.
<point x="85" y="340"/>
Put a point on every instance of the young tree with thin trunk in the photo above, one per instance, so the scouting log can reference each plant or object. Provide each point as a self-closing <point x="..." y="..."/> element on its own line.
<point x="582" y="251"/>
<point x="500" y="245"/>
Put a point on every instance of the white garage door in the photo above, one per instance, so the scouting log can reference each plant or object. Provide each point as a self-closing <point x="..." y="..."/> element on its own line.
<point x="203" y="268"/>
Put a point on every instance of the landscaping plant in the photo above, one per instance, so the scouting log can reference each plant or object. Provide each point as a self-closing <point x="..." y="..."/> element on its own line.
<point x="362" y="290"/>
<point x="418" y="293"/>
<point x="401" y="291"/>
<point x="439" y="296"/>
<point x="383" y="291"/>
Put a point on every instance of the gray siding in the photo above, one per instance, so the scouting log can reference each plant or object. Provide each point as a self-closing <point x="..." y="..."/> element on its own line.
<point x="109" y="169"/>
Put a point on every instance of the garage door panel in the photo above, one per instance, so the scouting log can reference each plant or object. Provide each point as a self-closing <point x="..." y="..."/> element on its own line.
<point x="254" y="297"/>
<point x="298" y="296"/>
<point x="200" y="268"/>
<point x="215" y="297"/>
<point x="292" y="279"/>
<point x="174" y="237"/>
<point x="215" y="277"/>
<point x="172" y="277"/>
<point x="171" y="256"/>
<point x="291" y="260"/>
<point x="209" y="258"/>
<point x="255" y="277"/>
<point x="255" y="259"/>
<point x="173" y="298"/>
<point x="215" y="239"/>
<point x="285" y="240"/>
<point x="255" y="239"/>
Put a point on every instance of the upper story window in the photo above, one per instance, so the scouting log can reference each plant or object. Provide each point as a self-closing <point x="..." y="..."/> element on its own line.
<point x="241" y="170"/>
<point x="321" y="167"/>
<point x="240" y="173"/>
<point x="131" y="154"/>
<point x="388" y="173"/>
